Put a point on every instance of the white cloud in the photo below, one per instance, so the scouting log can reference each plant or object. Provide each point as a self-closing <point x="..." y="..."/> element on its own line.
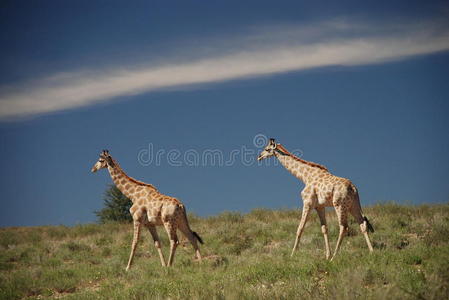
<point x="283" y="49"/>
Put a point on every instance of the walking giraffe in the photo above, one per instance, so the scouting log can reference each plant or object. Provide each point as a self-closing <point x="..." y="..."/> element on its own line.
<point x="150" y="208"/>
<point x="322" y="189"/>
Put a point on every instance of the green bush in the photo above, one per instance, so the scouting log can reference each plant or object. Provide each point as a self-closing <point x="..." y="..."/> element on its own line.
<point x="116" y="207"/>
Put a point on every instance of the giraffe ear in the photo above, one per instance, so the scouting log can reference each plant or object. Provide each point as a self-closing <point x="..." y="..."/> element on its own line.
<point x="272" y="141"/>
<point x="109" y="160"/>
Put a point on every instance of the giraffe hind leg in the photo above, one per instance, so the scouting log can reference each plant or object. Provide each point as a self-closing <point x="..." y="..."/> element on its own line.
<point x="171" y="231"/>
<point x="364" y="224"/>
<point x="343" y="222"/>
<point x="322" y="215"/>
<point x="157" y="243"/>
<point x="193" y="239"/>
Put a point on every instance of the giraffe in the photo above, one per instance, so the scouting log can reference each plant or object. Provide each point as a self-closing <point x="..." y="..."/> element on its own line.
<point x="322" y="189"/>
<point x="150" y="208"/>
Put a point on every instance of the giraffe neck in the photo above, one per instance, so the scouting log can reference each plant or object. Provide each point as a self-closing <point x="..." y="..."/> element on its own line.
<point x="298" y="169"/>
<point x="127" y="185"/>
<point x="301" y="169"/>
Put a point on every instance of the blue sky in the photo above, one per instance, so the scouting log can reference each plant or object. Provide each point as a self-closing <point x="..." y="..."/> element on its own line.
<point x="358" y="87"/>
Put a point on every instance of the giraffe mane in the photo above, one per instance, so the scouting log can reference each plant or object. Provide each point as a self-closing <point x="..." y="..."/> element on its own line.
<point x="132" y="179"/>
<point x="312" y="164"/>
<point x="139" y="182"/>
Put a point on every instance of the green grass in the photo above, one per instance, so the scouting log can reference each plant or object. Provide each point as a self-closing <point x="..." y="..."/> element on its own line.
<point x="246" y="257"/>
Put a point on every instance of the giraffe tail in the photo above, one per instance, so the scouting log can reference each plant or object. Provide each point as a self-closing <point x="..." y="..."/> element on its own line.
<point x="198" y="237"/>
<point x="368" y="224"/>
<point x="369" y="227"/>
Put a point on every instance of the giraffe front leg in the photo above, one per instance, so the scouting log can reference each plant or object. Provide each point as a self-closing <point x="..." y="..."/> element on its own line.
<point x="134" y="243"/>
<point x="302" y="223"/>
<point x="322" y="215"/>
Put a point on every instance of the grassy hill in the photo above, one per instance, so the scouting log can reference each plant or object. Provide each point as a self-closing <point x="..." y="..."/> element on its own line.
<point x="246" y="256"/>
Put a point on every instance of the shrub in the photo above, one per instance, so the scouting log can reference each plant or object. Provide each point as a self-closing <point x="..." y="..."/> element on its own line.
<point x="116" y="207"/>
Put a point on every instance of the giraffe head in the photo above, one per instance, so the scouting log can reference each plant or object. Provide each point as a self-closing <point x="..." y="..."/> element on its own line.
<point x="268" y="150"/>
<point x="104" y="160"/>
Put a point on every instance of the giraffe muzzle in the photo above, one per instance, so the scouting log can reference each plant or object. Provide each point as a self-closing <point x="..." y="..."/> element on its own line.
<point x="94" y="169"/>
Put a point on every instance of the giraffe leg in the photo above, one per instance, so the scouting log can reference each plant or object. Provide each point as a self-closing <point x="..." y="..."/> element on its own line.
<point x="184" y="228"/>
<point x="365" y="233"/>
<point x="343" y="222"/>
<point x="134" y="243"/>
<point x="357" y="214"/>
<point x="322" y="214"/>
<point x="171" y="231"/>
<point x="157" y="243"/>
<point x="302" y="223"/>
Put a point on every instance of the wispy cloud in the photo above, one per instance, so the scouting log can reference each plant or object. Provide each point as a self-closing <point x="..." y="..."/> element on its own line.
<point x="269" y="51"/>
